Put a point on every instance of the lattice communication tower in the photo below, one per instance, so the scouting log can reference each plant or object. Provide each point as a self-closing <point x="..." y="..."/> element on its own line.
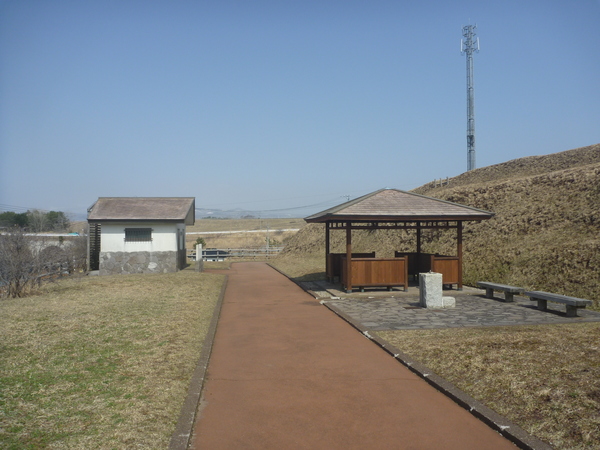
<point x="469" y="45"/>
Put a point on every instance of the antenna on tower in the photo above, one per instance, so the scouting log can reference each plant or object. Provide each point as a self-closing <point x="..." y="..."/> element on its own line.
<point x="468" y="46"/>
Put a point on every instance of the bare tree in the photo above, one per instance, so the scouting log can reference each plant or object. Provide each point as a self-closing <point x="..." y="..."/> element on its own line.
<point x="26" y="260"/>
<point x="38" y="220"/>
<point x="19" y="264"/>
<point x="76" y="250"/>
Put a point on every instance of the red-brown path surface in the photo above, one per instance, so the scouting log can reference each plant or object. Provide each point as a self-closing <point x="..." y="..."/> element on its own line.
<point x="287" y="373"/>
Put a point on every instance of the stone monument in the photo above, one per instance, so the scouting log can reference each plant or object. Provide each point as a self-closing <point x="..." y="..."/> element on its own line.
<point x="199" y="260"/>
<point x="430" y="292"/>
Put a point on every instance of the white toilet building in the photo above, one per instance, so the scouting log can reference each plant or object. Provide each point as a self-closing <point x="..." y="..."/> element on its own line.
<point x="139" y="234"/>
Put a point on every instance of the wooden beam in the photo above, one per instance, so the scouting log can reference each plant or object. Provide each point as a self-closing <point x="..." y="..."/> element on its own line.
<point x="394" y="225"/>
<point x="418" y="237"/>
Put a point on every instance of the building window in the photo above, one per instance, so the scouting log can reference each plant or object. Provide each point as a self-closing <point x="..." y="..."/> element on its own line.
<point x="138" y="234"/>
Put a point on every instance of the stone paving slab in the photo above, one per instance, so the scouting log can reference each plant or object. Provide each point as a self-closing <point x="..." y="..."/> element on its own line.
<point x="404" y="313"/>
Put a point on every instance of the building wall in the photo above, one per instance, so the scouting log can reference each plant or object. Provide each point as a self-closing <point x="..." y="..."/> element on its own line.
<point x="164" y="237"/>
<point x="160" y="255"/>
<point x="137" y="262"/>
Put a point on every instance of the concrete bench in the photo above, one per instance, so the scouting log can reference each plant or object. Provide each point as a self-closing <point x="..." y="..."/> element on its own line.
<point x="509" y="291"/>
<point x="572" y="303"/>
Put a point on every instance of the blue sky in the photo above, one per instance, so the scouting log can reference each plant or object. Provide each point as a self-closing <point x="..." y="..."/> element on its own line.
<point x="277" y="105"/>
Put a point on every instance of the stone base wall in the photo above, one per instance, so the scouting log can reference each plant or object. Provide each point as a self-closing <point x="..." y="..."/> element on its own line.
<point x="137" y="262"/>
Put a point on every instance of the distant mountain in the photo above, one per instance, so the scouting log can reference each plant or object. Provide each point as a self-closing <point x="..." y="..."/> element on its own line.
<point x="204" y="213"/>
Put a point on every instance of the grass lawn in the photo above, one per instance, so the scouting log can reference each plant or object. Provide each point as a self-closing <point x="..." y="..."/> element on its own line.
<point x="101" y="362"/>
<point x="300" y="269"/>
<point x="546" y="379"/>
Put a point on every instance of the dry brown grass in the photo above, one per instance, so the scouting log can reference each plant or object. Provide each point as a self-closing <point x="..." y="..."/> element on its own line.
<point x="252" y="232"/>
<point x="245" y="224"/>
<point x="300" y="269"/>
<point x="101" y="362"/>
<point x="544" y="235"/>
<point x="522" y="168"/>
<point x="545" y="379"/>
<point x="241" y="239"/>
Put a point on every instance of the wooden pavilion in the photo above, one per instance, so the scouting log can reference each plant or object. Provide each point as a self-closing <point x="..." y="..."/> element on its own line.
<point x="387" y="209"/>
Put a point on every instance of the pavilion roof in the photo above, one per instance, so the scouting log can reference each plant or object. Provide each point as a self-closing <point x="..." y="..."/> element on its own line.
<point x="396" y="205"/>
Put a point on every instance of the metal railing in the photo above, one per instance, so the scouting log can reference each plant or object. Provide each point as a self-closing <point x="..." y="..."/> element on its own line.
<point x="219" y="254"/>
<point x="31" y="275"/>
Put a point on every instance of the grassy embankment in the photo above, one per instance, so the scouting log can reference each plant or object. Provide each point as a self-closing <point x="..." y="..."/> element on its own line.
<point x="545" y="234"/>
<point x="101" y="362"/>
<point x="252" y="232"/>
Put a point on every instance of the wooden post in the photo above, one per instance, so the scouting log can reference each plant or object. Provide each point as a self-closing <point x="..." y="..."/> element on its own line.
<point x="459" y="251"/>
<point x="89" y="253"/>
<point x="418" y="237"/>
<point x="348" y="257"/>
<point x="327" y="245"/>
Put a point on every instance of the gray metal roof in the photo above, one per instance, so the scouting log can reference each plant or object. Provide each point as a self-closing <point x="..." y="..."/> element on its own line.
<point x="169" y="209"/>
<point x="397" y="205"/>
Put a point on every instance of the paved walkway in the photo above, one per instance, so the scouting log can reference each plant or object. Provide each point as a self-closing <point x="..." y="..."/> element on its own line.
<point x="286" y="372"/>
<point x="398" y="310"/>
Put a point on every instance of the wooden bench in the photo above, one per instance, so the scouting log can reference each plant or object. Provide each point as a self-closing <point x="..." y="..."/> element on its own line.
<point x="334" y="263"/>
<point x="509" y="291"/>
<point x="572" y="303"/>
<point x="448" y="266"/>
<point x="374" y="272"/>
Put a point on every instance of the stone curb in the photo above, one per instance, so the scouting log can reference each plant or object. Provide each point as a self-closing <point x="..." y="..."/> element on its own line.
<point x="509" y="430"/>
<point x="180" y="438"/>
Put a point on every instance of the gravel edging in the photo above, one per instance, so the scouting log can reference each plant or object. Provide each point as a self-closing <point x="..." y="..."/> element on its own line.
<point x="499" y="423"/>
<point x="180" y="438"/>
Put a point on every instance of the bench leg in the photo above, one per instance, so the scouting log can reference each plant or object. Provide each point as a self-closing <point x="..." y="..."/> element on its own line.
<point x="489" y="292"/>
<point x="508" y="297"/>
<point x="571" y="311"/>
<point x="542" y="305"/>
